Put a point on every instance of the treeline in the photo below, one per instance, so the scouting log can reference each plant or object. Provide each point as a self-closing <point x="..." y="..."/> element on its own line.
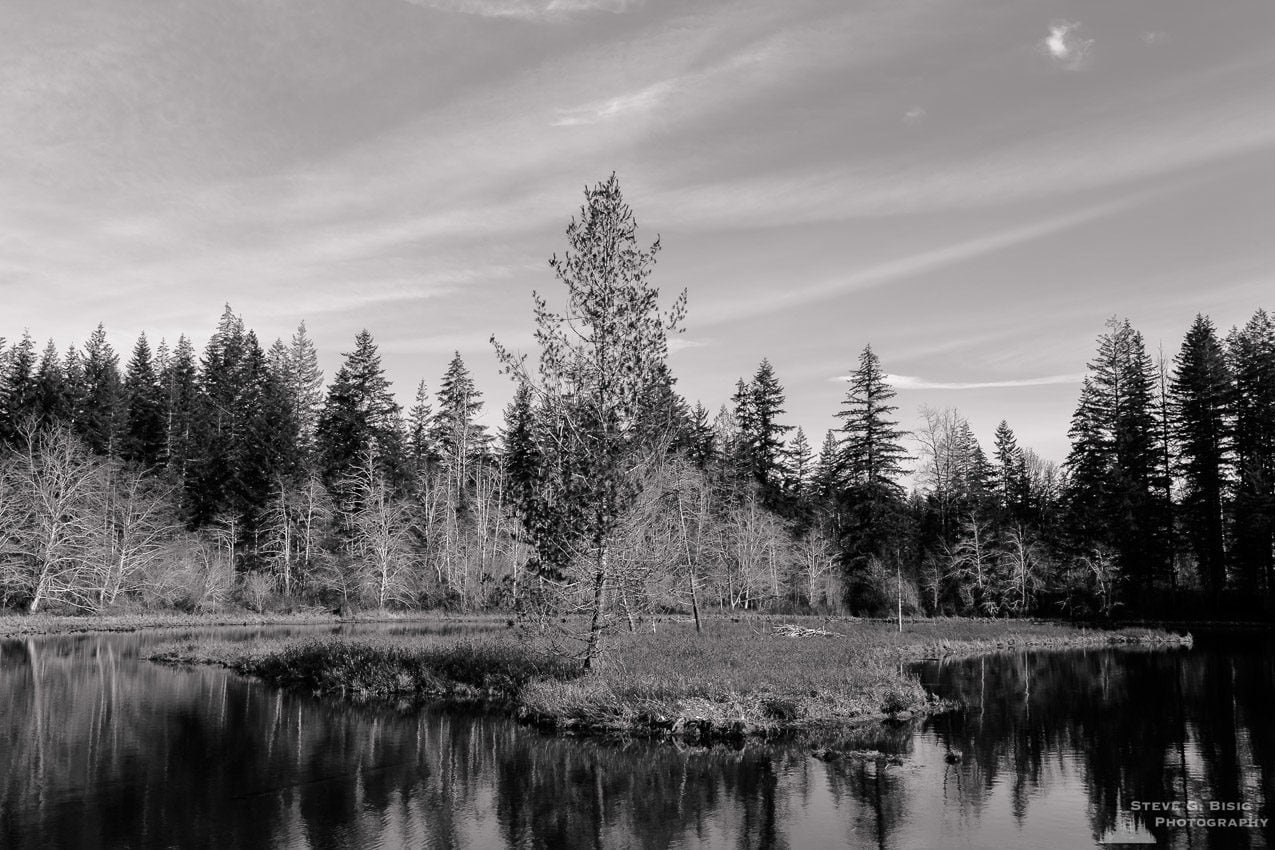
<point x="193" y="480"/>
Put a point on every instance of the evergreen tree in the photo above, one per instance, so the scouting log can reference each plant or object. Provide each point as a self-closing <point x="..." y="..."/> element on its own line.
<point x="53" y="401"/>
<point x="871" y="509"/>
<point x="702" y="442"/>
<point x="1116" y="482"/>
<point x="178" y="380"/>
<point x="1251" y="351"/>
<point x="144" y="433"/>
<point x="420" y="419"/>
<point x="360" y="410"/>
<point x="740" y="448"/>
<point x="520" y="457"/>
<point x="825" y="482"/>
<point x="1010" y="473"/>
<point x="800" y="465"/>
<point x="243" y="436"/>
<point x="663" y="417"/>
<point x="295" y="365"/>
<point x="18" y="388"/>
<point x="102" y="413"/>
<point x="872" y="453"/>
<point x="1200" y="393"/>
<point x="456" y="434"/>
<point x="764" y="434"/>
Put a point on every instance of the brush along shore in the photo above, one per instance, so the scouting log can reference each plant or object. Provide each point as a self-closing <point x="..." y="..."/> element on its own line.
<point x="736" y="679"/>
<point x="19" y="625"/>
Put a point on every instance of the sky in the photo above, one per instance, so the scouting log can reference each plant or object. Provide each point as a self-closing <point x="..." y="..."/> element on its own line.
<point x="970" y="186"/>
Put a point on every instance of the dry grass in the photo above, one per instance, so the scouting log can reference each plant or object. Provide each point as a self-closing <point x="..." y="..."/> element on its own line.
<point x="735" y="679"/>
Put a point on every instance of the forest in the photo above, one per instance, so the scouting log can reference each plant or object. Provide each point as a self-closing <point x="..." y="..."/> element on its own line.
<point x="177" y="479"/>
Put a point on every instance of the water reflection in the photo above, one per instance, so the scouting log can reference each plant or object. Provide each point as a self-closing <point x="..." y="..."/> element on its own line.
<point x="99" y="749"/>
<point x="1103" y="729"/>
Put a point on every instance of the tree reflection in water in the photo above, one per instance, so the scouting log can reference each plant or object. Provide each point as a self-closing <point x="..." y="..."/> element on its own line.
<point x="1124" y="725"/>
<point x="98" y="749"/>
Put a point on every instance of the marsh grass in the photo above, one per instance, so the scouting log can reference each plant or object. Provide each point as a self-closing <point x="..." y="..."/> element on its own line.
<point x="736" y="679"/>
<point x="16" y="625"/>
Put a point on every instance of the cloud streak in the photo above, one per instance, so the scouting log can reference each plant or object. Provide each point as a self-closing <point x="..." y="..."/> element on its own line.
<point x="912" y="382"/>
<point x="526" y="9"/>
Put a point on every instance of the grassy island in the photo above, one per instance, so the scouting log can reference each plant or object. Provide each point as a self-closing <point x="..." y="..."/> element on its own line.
<point x="759" y="676"/>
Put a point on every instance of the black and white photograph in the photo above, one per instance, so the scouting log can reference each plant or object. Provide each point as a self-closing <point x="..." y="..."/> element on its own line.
<point x="637" y="424"/>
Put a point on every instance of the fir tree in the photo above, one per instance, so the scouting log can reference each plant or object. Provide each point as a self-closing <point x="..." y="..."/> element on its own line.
<point x="800" y="465"/>
<point x="360" y="410"/>
<point x="53" y="401"/>
<point x="456" y="434"/>
<point x="144" y="432"/>
<point x="1010" y="472"/>
<point x="179" y="384"/>
<point x="872" y="453"/>
<point x="1116" y="471"/>
<point x="296" y="366"/>
<point x="18" y="388"/>
<point x="871" y="511"/>
<point x="825" y="481"/>
<point x="1201" y="405"/>
<point x="102" y="412"/>
<point x="1251" y="352"/>
<point x="702" y="443"/>
<point x="764" y="434"/>
<point x="420" y="419"/>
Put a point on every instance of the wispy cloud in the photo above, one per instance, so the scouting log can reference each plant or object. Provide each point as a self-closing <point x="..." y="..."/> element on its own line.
<point x="912" y="382"/>
<point x="923" y="262"/>
<point x="679" y="343"/>
<point x="638" y="101"/>
<point x="526" y="9"/>
<point x="1065" y="46"/>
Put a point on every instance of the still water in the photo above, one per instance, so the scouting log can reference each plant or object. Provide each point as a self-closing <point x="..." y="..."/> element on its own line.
<point x="99" y="749"/>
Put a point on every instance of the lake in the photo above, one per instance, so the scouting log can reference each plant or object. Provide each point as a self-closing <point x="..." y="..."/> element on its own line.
<point x="1077" y="748"/>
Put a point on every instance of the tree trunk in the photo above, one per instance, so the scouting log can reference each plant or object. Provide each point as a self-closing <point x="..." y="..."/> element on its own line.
<point x="595" y="621"/>
<point x="699" y="629"/>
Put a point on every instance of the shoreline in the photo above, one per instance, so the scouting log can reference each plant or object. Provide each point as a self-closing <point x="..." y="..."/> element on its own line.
<point x="729" y="684"/>
<point x="24" y="625"/>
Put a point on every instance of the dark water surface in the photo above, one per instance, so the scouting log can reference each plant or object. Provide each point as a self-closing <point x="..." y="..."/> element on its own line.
<point x="1053" y="749"/>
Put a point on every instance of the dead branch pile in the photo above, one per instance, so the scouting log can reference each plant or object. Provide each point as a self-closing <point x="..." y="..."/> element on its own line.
<point x="791" y="631"/>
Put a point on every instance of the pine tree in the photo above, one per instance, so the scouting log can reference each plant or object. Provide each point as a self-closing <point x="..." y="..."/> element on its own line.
<point x="1116" y="482"/>
<point x="825" y="482"/>
<point x="243" y="437"/>
<point x="1251" y="352"/>
<point x="53" y="401"/>
<point x="520" y="458"/>
<point x="740" y="449"/>
<point x="765" y="435"/>
<point x="360" y="409"/>
<point x="420" y="419"/>
<point x="296" y="368"/>
<point x="144" y="432"/>
<point x="1010" y="472"/>
<point x="179" y="384"/>
<point x="702" y="444"/>
<point x="800" y="465"/>
<point x="18" y="388"/>
<point x="872" y="453"/>
<point x="871" y="511"/>
<point x="456" y="434"/>
<point x="102" y="413"/>
<point x="1201" y="410"/>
